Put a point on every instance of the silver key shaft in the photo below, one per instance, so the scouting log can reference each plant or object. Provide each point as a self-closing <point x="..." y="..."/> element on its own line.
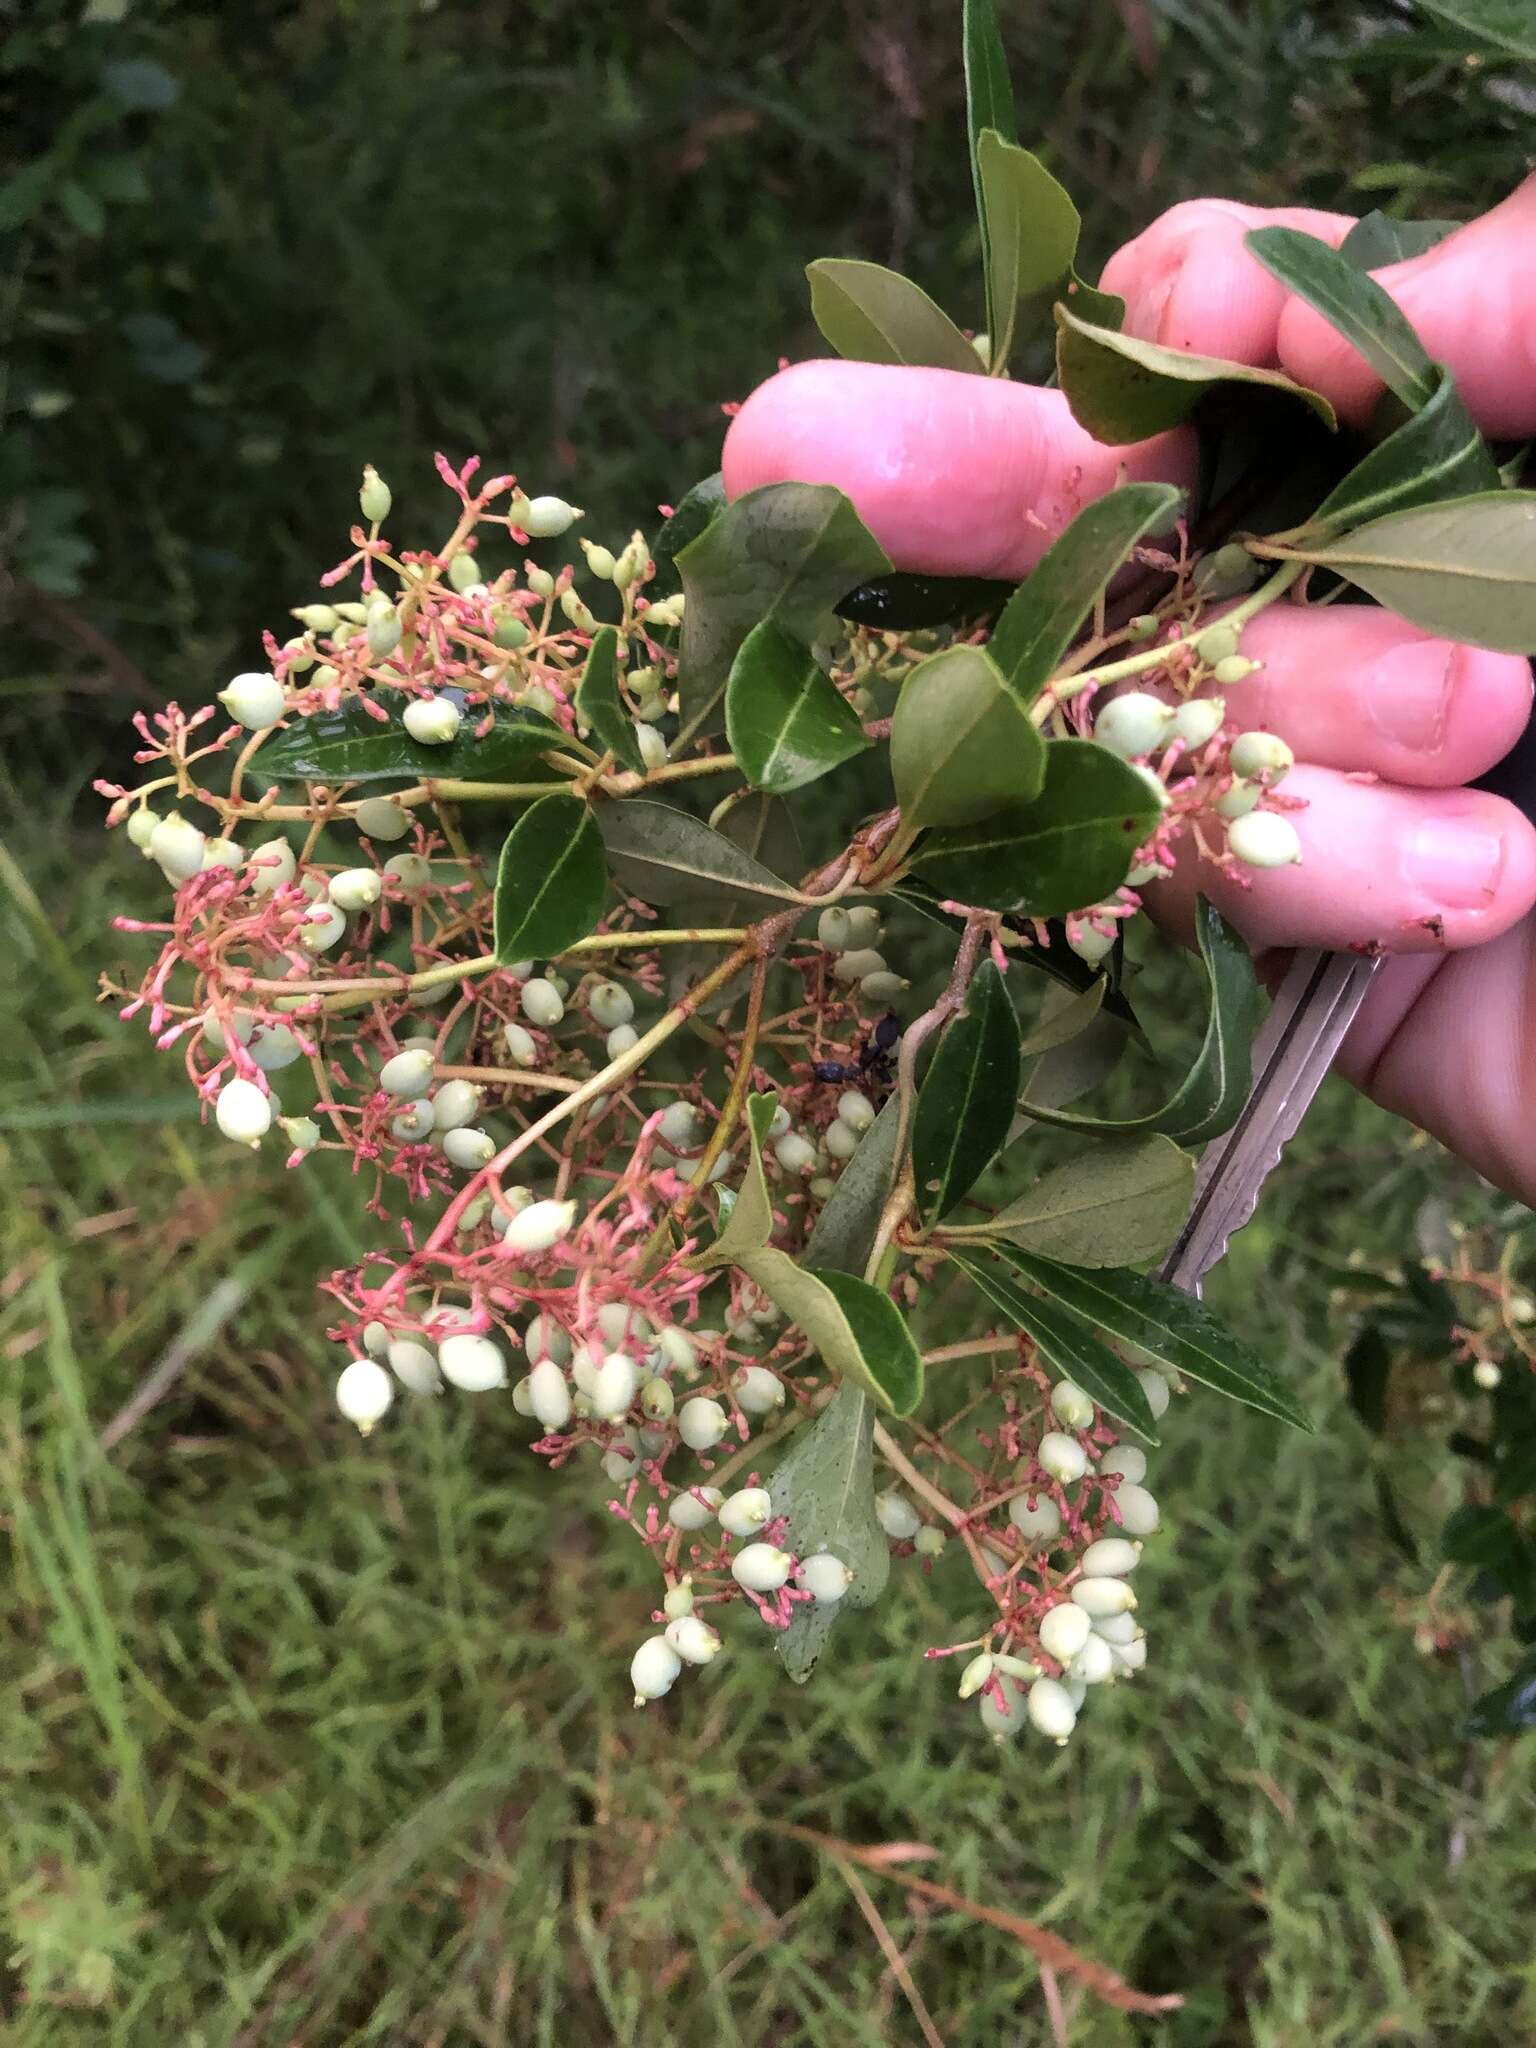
<point x="1313" y="1008"/>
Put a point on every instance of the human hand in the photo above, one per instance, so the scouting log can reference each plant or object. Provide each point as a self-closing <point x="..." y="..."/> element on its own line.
<point x="967" y="475"/>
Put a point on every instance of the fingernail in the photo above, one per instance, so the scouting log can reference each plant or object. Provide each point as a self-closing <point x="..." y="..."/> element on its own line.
<point x="1408" y="694"/>
<point x="1454" y="864"/>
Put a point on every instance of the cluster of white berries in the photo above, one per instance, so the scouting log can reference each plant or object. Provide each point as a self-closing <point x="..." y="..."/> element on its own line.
<point x="854" y="936"/>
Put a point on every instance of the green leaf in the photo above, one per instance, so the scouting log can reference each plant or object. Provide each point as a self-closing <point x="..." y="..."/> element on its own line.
<point x="1120" y="1204"/>
<point x="1377" y="239"/>
<point x="1067" y="1343"/>
<point x="859" y="1331"/>
<point x="664" y="856"/>
<point x="1367" y="1369"/>
<point x="82" y="207"/>
<point x="1211" y="1096"/>
<point x="875" y="315"/>
<point x="749" y="1222"/>
<point x="1032" y="229"/>
<point x="1505" y="24"/>
<point x="965" y="1105"/>
<point x="1481" y="1536"/>
<point x="551" y="880"/>
<point x="843" y="1235"/>
<point x="1172" y="1327"/>
<point x="347" y="745"/>
<point x="687" y="520"/>
<point x="1434" y="455"/>
<point x="825" y="1490"/>
<point x="1065" y="1018"/>
<point x="786" y="721"/>
<point x="785" y="552"/>
<point x="962" y="744"/>
<point x="1042" y="618"/>
<point x="1354" y="304"/>
<point x="1065" y="1072"/>
<point x="600" y="708"/>
<point x="988" y="104"/>
<point x="1122" y="389"/>
<point x="1465" y="569"/>
<point x="1074" y="845"/>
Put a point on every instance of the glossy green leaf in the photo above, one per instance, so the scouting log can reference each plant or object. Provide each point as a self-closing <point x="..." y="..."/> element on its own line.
<point x="874" y="315"/>
<point x="1064" y="1017"/>
<point x="600" y="708"/>
<point x="1064" y="1072"/>
<point x="859" y="1331"/>
<point x="347" y="745"/>
<point x="1066" y="1342"/>
<point x="551" y="880"/>
<point x="962" y="744"/>
<point x="1043" y="617"/>
<point x="749" y="1222"/>
<point x="1032" y="231"/>
<point x="1170" y="1326"/>
<point x="988" y="105"/>
<point x="1434" y="455"/>
<point x="1465" y="569"/>
<point x="1505" y="24"/>
<point x="763" y="828"/>
<point x="1098" y="308"/>
<point x="1074" y="845"/>
<point x="665" y="856"/>
<point x="1119" y="1204"/>
<point x="785" y="552"/>
<point x="1122" y="389"/>
<point x="843" y="1235"/>
<point x="1354" y="304"/>
<point x="688" y="519"/>
<point x="825" y="1489"/>
<point x="785" y="719"/>
<point x="965" y="1105"/>
<point x="1211" y="1096"/>
<point x="1377" y="239"/>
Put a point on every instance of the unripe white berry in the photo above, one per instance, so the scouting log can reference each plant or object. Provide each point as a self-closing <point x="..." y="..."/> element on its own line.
<point x="1064" y="1631"/>
<point x="364" y="1392"/>
<point x="855" y="1110"/>
<point x="693" y="1639"/>
<point x="472" y="1364"/>
<point x="585" y="1367"/>
<point x="841" y="1141"/>
<point x="653" y="1669"/>
<point x="254" y="700"/>
<point x="214" y="1036"/>
<point x="834" y="929"/>
<point x="929" y="1541"/>
<point x="324" y="926"/>
<point x="1094" y="1662"/>
<point x="882" y="987"/>
<point x="541" y="1002"/>
<point x="678" y="1349"/>
<point x="1071" y="1406"/>
<point x="615" y="1386"/>
<point x="657" y="1400"/>
<point x="761" y="1568"/>
<point x="1197" y="722"/>
<point x="1139" y="1514"/>
<point x="864" y="925"/>
<point x="679" y="1126"/>
<point x="975" y="1675"/>
<point x="414" y="1366"/>
<point x="679" y="1599"/>
<point x="380" y="817"/>
<point x="701" y="1423"/>
<point x="1062" y="1457"/>
<point x="414" y="1123"/>
<point x="242" y="1112"/>
<point x="1051" y="1710"/>
<point x="406" y="1074"/>
<point x="374" y="499"/>
<point x="622" y="1324"/>
<point x="1040" y="1522"/>
<point x="611" y="1004"/>
<point x="897" y="1516"/>
<point x="375" y="1339"/>
<point x="545" y="1338"/>
<point x="621" y="1039"/>
<point x="177" y="846"/>
<point x="549" y="1394"/>
<point x="825" y="1577"/>
<point x="468" y="1147"/>
<point x="796" y="1154"/>
<point x="1117" y="1628"/>
<point x="1263" y="839"/>
<point x="1134" y="724"/>
<point x="1261" y="754"/>
<point x="1217" y="643"/>
<point x="141" y="827"/>
<point x="539" y="1227"/>
<point x="547" y="518"/>
<point x="1089" y="943"/>
<point x="1127" y="1460"/>
<point x="758" y="1391"/>
<point x="1111" y="1557"/>
<point x="1157" y="1391"/>
<point x="653" y="748"/>
<point x="695" y="1508"/>
<point x="1130" y="1657"/>
<point x="221" y="853"/>
<point x="1103" y="1596"/>
<point x="853" y="966"/>
<point x="456" y="1103"/>
<point x="1003" y="1722"/>
<point x="521" y="1048"/>
<point x="356" y="888"/>
<point x="432" y="721"/>
<point x="411" y="870"/>
<point x="744" y="1513"/>
<point x="1486" y="1375"/>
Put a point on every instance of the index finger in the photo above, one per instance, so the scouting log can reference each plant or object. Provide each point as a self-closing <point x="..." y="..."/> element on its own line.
<point x="954" y="475"/>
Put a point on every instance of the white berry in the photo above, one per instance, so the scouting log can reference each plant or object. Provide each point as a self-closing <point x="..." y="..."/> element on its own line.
<point x="242" y="1112"/>
<point x="761" y="1568"/>
<point x="472" y="1364"/>
<point x="653" y="1669"/>
<point x="364" y="1392"/>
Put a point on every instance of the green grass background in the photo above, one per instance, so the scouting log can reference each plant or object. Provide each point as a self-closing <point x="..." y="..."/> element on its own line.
<point x="314" y="1741"/>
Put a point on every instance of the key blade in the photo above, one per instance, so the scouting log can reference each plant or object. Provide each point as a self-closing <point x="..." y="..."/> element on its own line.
<point x="1313" y="1008"/>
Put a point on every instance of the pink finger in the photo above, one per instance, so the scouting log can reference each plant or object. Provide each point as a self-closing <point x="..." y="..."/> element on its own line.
<point x="1472" y="299"/>
<point x="1353" y="687"/>
<point x="1412" y="870"/>
<point x="1189" y="283"/>
<point x="954" y="475"/>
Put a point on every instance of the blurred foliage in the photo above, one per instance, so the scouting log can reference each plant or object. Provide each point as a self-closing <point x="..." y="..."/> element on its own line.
<point x="245" y="249"/>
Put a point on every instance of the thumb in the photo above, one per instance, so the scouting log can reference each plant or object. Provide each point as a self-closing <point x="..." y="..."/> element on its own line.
<point x="954" y="475"/>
